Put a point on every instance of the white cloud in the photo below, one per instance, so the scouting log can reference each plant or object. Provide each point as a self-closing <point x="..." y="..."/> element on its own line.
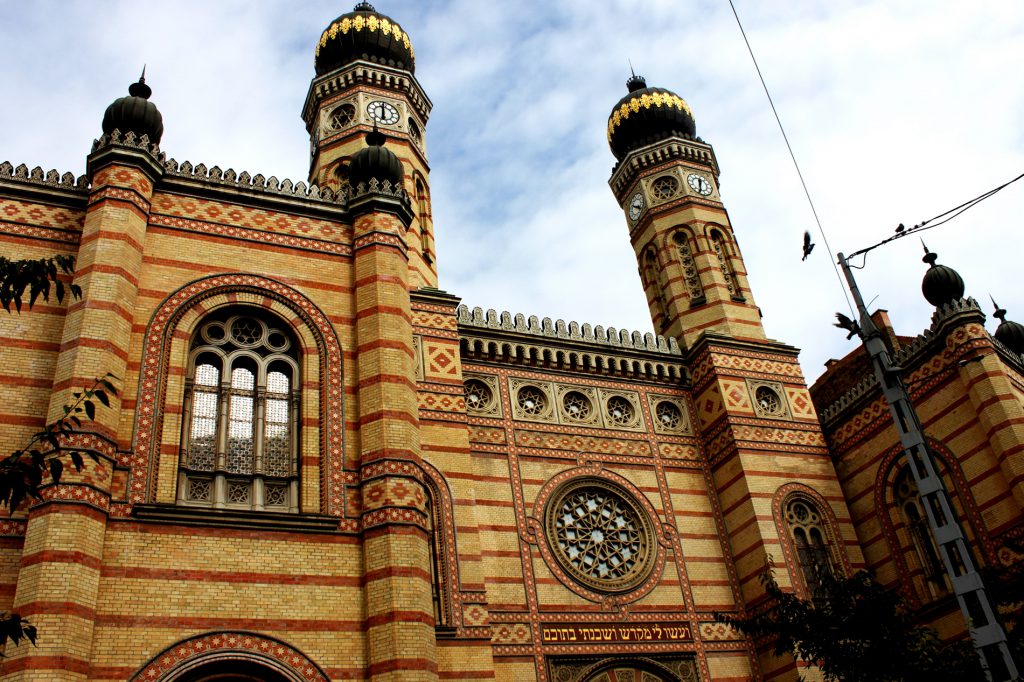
<point x="896" y="112"/>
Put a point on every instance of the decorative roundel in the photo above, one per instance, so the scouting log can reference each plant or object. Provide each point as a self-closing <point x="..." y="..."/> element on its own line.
<point x="532" y="400"/>
<point x="382" y="112"/>
<point x="768" y="401"/>
<point x="699" y="184"/>
<point x="576" y="406"/>
<point x="342" y="116"/>
<point x="665" y="187"/>
<point x="246" y="331"/>
<point x="600" y="535"/>
<point x="478" y="395"/>
<point x="620" y="411"/>
<point x="668" y="415"/>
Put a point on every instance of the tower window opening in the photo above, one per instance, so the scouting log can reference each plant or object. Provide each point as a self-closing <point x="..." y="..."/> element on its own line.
<point x="809" y="539"/>
<point x="683" y="251"/>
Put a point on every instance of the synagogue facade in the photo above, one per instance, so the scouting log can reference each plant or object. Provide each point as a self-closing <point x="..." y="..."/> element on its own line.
<point x="321" y="466"/>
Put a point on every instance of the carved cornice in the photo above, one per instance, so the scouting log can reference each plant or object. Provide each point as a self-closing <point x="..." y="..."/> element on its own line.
<point x="626" y="172"/>
<point x="557" y="345"/>
<point x="377" y="196"/>
<point x="368" y="74"/>
<point x="126" y="148"/>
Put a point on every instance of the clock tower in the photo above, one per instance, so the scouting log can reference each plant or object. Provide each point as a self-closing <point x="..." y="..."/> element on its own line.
<point x="365" y="66"/>
<point x="666" y="180"/>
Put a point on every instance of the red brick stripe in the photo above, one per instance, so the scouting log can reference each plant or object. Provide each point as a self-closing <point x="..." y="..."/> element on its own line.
<point x="56" y="556"/>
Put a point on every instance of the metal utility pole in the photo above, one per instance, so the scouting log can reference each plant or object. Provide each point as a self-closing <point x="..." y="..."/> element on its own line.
<point x="986" y="633"/>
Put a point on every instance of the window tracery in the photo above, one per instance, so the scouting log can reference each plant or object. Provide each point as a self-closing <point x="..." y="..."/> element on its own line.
<point x="665" y="187"/>
<point x="685" y="254"/>
<point x="810" y="541"/>
<point x="342" y="116"/>
<point x="723" y="261"/>
<point x="925" y="550"/>
<point x="654" y="281"/>
<point x="239" y="445"/>
<point x="600" y="535"/>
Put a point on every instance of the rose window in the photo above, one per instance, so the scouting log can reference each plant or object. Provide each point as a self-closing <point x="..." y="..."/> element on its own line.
<point x="600" y="536"/>
<point x="768" y="401"/>
<point x="668" y="415"/>
<point x="665" y="187"/>
<point x="342" y="116"/>
<point x="620" y="411"/>
<point x="531" y="400"/>
<point x="478" y="395"/>
<point x="577" y="406"/>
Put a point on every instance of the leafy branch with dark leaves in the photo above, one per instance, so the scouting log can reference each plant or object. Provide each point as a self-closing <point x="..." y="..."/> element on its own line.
<point x="23" y="471"/>
<point x="855" y="630"/>
<point x="37" y="276"/>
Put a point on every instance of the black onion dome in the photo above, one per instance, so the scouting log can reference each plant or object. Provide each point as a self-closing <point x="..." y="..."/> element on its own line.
<point x="135" y="113"/>
<point x="941" y="284"/>
<point x="647" y="115"/>
<point x="375" y="162"/>
<point x="363" y="33"/>
<point x="1009" y="333"/>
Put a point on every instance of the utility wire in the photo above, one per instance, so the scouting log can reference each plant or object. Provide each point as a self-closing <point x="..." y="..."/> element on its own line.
<point x="945" y="217"/>
<point x="796" y="165"/>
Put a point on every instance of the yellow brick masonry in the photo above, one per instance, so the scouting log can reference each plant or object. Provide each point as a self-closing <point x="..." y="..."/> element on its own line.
<point x="58" y="588"/>
<point x="400" y="635"/>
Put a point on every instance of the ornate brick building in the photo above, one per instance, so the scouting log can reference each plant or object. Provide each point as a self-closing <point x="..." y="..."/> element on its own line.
<point x="320" y="466"/>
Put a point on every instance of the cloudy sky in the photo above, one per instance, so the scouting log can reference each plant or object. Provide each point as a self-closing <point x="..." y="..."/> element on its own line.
<point x="896" y="111"/>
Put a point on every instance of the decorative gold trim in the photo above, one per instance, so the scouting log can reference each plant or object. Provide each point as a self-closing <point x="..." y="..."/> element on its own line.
<point x="646" y="101"/>
<point x="371" y="24"/>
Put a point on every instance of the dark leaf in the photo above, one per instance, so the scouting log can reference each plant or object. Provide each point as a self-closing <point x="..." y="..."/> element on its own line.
<point x="76" y="459"/>
<point x="90" y="410"/>
<point x="56" y="469"/>
<point x="101" y="395"/>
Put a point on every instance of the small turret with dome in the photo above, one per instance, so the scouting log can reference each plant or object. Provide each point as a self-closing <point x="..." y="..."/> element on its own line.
<point x="366" y="34"/>
<point x="941" y="284"/>
<point x="135" y="113"/>
<point x="374" y="162"/>
<point x="647" y="115"/>
<point x="1008" y="333"/>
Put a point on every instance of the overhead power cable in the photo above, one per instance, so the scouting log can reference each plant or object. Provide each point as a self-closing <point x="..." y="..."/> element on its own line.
<point x="807" y="193"/>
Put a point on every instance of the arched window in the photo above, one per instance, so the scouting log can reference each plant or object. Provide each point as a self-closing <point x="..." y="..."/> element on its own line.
<point x="240" y="438"/>
<point x="654" y="283"/>
<point x="690" y="275"/>
<point x="925" y="550"/>
<point x="423" y="213"/>
<point x="810" y="541"/>
<point x="718" y="244"/>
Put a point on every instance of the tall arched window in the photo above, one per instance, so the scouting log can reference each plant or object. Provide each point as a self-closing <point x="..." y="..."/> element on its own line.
<point x="925" y="550"/>
<point x="690" y="275"/>
<point x="654" y="283"/>
<point x="240" y="438"/>
<point x="423" y="213"/>
<point x="810" y="541"/>
<point x="718" y="244"/>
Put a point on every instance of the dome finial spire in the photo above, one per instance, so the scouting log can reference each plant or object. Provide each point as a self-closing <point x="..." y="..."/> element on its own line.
<point x="140" y="89"/>
<point x="929" y="257"/>
<point x="1000" y="313"/>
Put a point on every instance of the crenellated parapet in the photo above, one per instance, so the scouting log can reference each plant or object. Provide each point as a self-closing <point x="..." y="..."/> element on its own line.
<point x="37" y="176"/>
<point x="558" y="329"/>
<point x="490" y="336"/>
<point x="257" y="183"/>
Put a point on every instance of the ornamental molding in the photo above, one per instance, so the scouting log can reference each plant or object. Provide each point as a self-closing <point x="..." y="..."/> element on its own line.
<point x="51" y="179"/>
<point x="672" y="150"/>
<point x="368" y="74"/>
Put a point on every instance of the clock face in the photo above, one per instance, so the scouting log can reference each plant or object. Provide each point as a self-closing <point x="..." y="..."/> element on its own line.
<point x="382" y="112"/>
<point x="636" y="206"/>
<point x="699" y="184"/>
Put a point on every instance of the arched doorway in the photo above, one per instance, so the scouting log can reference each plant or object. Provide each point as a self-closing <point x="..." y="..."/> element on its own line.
<point x="229" y="670"/>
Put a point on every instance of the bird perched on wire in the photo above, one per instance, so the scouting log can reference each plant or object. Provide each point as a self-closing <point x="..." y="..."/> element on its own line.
<point x="808" y="246"/>
<point x="847" y="324"/>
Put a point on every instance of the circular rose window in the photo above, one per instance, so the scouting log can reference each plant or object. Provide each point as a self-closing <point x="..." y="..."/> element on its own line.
<point x="600" y="535"/>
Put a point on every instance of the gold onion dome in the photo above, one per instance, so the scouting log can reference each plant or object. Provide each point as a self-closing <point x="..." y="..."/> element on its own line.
<point x="363" y="33"/>
<point x="647" y="115"/>
<point x="135" y="113"/>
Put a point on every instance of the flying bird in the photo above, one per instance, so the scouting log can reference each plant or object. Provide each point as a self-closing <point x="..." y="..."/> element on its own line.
<point x="808" y="246"/>
<point x="847" y="324"/>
